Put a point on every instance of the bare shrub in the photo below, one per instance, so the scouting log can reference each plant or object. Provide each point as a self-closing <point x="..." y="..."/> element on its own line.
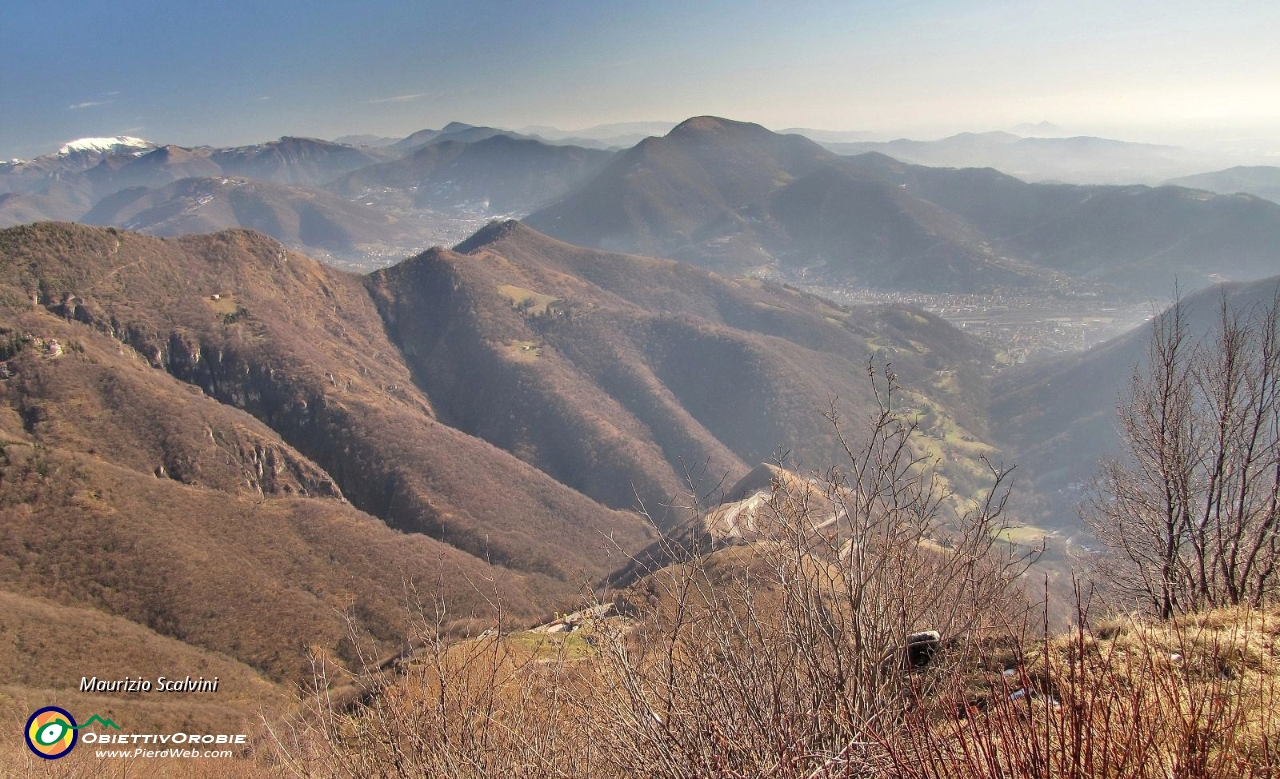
<point x="780" y="652"/>
<point x="485" y="706"/>
<point x="781" y="656"/>
<point x="1185" y="698"/>
<point x="1190" y="511"/>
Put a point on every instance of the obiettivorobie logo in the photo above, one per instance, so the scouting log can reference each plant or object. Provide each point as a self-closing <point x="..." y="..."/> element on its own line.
<point x="52" y="732"/>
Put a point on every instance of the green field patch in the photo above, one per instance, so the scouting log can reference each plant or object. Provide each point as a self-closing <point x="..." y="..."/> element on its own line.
<point x="527" y="300"/>
<point x="1023" y="535"/>
<point x="571" y="646"/>
<point x="771" y="306"/>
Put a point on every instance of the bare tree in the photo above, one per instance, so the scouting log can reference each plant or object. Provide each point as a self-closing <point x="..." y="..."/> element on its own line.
<point x="783" y="655"/>
<point x="786" y="651"/>
<point x="1189" y="511"/>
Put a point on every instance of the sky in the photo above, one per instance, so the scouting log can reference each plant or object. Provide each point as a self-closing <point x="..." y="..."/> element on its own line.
<point x="236" y="72"/>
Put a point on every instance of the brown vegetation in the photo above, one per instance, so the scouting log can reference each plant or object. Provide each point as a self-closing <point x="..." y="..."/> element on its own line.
<point x="784" y="656"/>
<point x="1195" y="697"/>
<point x="182" y="425"/>
<point x="780" y="656"/>
<point x="648" y="369"/>
<point x="1192" y="511"/>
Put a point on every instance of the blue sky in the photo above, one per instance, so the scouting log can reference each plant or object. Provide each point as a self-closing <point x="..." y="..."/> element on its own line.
<point x="240" y="72"/>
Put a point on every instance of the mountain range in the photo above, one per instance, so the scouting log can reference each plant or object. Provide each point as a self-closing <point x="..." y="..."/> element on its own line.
<point x="222" y="451"/>
<point x="496" y="174"/>
<point x="736" y="197"/>
<point x="730" y="196"/>
<point x="319" y="222"/>
<point x="234" y="454"/>
<point x="1260" y="180"/>
<point x="1075" y="160"/>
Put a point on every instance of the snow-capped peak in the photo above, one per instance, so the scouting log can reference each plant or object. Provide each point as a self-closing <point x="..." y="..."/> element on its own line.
<point x="104" y="144"/>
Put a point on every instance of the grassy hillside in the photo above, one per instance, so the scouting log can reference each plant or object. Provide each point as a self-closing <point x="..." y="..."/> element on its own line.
<point x="917" y="660"/>
<point x="881" y="654"/>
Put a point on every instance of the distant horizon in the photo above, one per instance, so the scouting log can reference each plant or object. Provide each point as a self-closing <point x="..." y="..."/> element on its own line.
<point x="1177" y="72"/>
<point x="563" y="133"/>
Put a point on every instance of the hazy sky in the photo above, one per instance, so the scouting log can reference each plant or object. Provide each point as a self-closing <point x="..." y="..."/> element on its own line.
<point x="241" y="71"/>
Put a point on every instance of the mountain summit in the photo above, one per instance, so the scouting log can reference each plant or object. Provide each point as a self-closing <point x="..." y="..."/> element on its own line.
<point x="653" y="197"/>
<point x="737" y="198"/>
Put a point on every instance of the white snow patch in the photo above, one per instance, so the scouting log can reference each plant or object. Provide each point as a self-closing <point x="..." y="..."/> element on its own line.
<point x="104" y="144"/>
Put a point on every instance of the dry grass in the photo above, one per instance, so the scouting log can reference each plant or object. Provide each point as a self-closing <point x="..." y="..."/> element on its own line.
<point x="1196" y="697"/>
<point x="533" y="303"/>
<point x="779" y="656"/>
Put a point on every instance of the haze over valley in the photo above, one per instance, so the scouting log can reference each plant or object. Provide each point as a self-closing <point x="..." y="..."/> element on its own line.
<point x="1042" y="267"/>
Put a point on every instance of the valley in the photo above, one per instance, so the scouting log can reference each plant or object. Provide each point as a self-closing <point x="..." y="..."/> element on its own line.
<point x="268" y="408"/>
<point x="1022" y="327"/>
<point x="578" y="390"/>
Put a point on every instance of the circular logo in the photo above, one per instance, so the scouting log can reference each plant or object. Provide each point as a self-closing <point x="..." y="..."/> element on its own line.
<point x="51" y="732"/>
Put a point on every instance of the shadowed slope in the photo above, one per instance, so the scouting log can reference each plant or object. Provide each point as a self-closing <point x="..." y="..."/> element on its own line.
<point x="509" y="175"/>
<point x="1060" y="416"/>
<point x="301" y="347"/>
<point x="302" y="218"/>
<point x="620" y="375"/>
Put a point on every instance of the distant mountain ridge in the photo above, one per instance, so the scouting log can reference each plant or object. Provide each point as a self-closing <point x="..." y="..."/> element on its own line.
<point x="507" y="174"/>
<point x="735" y="197"/>
<point x="116" y="143"/>
<point x="395" y="205"/>
<point x="103" y="166"/>
<point x="313" y="220"/>
<point x="1046" y="157"/>
<point x="1260" y="180"/>
<point x="454" y="131"/>
<point x="653" y="197"/>
<point x="617" y="135"/>
<point x="21" y="176"/>
<point x="731" y="196"/>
